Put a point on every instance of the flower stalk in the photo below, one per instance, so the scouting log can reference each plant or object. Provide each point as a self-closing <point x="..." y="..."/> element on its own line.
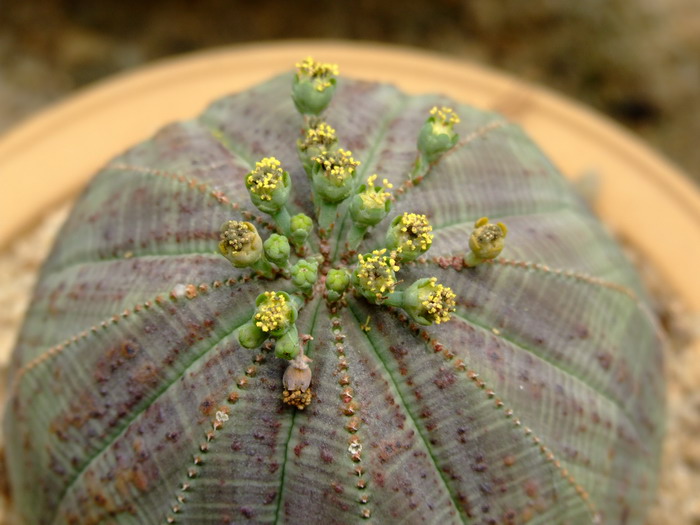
<point x="269" y="187"/>
<point x="368" y="207"/>
<point x="318" y="138"/>
<point x="332" y="180"/>
<point x="435" y="138"/>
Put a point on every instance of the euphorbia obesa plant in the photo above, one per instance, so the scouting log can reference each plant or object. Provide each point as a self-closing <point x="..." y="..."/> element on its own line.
<point x="294" y="310"/>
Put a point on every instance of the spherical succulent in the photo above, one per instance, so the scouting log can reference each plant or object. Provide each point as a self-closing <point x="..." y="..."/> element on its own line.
<point x="238" y="323"/>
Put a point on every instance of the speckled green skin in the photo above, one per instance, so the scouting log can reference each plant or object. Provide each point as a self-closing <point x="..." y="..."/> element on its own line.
<point x="541" y="400"/>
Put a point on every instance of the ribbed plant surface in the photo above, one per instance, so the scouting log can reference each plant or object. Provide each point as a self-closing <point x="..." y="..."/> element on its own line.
<point x="541" y="401"/>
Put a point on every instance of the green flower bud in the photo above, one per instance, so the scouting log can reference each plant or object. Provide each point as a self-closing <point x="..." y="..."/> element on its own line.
<point x="250" y="335"/>
<point x="301" y="226"/>
<point x="288" y="346"/>
<point x="409" y="236"/>
<point x="372" y="203"/>
<point x="318" y="138"/>
<point x="275" y="313"/>
<point x="240" y="243"/>
<point x="332" y="175"/>
<point x="437" y="134"/>
<point x="337" y="281"/>
<point x="313" y="86"/>
<point x="305" y="274"/>
<point x="268" y="185"/>
<point x="428" y="302"/>
<point x="277" y="249"/>
<point x="374" y="276"/>
<point x="486" y="241"/>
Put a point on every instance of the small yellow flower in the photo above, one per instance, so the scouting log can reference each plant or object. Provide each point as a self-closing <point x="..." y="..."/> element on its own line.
<point x="376" y="196"/>
<point x="265" y="178"/>
<point x="444" y="116"/>
<point x="274" y="312"/>
<point x="338" y="166"/>
<point x="428" y="302"/>
<point x="375" y="274"/>
<point x="322" y="73"/>
<point x="437" y="135"/>
<point x="320" y="135"/>
<point x="410" y="235"/>
<point x="439" y="303"/>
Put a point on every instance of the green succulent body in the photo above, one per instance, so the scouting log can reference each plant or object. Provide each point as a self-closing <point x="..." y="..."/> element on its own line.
<point x="540" y="401"/>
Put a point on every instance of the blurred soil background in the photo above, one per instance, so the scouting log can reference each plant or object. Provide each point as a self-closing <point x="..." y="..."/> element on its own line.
<point x="637" y="62"/>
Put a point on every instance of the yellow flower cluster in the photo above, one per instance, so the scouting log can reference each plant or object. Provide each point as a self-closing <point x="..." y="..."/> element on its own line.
<point x="272" y="313"/>
<point x="338" y="165"/>
<point x="237" y="236"/>
<point x="319" y="71"/>
<point x="440" y="303"/>
<point x="445" y="116"/>
<point x="376" y="272"/>
<point x="416" y="232"/>
<point x="319" y="135"/>
<point x="372" y="198"/>
<point x="266" y="177"/>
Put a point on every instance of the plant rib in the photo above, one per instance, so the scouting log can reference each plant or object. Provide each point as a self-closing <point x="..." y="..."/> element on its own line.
<point x="508" y="412"/>
<point x="453" y="498"/>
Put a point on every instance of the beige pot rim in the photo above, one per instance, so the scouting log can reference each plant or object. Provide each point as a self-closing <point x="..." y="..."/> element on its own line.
<point x="49" y="157"/>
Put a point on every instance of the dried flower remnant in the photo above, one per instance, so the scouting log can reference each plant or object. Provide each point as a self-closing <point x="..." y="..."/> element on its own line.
<point x="296" y="398"/>
<point x="297" y="376"/>
<point x="297" y="382"/>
